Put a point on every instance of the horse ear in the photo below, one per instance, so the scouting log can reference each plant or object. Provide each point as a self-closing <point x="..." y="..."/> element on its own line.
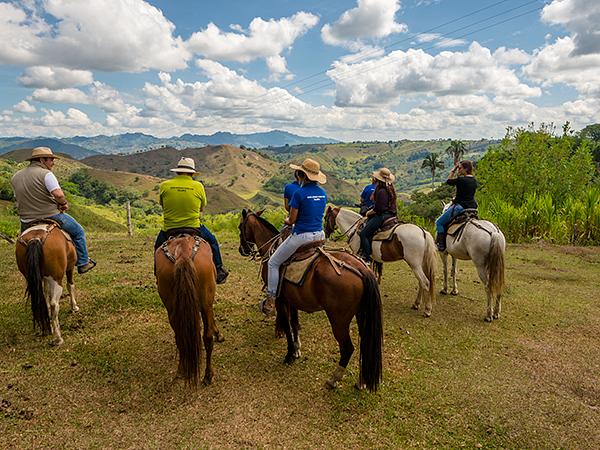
<point x="258" y="213"/>
<point x="244" y="213"/>
<point x="328" y="210"/>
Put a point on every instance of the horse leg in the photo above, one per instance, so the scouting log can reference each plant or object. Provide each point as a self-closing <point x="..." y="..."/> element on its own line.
<point x="71" y="290"/>
<point x="341" y="332"/>
<point x="498" y="307"/>
<point x="209" y="334"/>
<point x="283" y="323"/>
<point x="423" y="288"/>
<point x="54" y="291"/>
<point x="483" y="276"/>
<point x="295" y="327"/>
<point x="444" y="290"/>
<point x="453" y="274"/>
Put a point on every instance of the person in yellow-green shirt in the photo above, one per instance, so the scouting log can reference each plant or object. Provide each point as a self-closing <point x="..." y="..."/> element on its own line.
<point x="183" y="199"/>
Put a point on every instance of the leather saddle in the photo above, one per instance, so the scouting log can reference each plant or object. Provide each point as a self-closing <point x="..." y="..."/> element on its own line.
<point x="295" y="269"/>
<point x="386" y="231"/>
<point x="176" y="232"/>
<point x="464" y="216"/>
<point x="45" y="225"/>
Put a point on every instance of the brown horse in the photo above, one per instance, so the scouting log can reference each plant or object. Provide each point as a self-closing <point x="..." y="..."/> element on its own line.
<point x="185" y="275"/>
<point x="44" y="255"/>
<point x="353" y="292"/>
<point x="410" y="243"/>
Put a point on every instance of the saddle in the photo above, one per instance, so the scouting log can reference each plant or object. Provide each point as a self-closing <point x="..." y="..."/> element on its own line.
<point x="464" y="216"/>
<point x="295" y="269"/>
<point x="386" y="231"/>
<point x="45" y="225"/>
<point x="176" y="233"/>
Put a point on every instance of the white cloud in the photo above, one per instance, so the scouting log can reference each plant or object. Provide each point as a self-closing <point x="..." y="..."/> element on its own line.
<point x="24" y="107"/>
<point x="54" y="77"/>
<point x="70" y="95"/>
<point x="108" y="35"/>
<point x="74" y="118"/>
<point x="448" y="42"/>
<point x="370" y="19"/>
<point x="264" y="39"/>
<point x="581" y="18"/>
<point x="511" y="56"/>
<point x="415" y="72"/>
<point x="557" y="63"/>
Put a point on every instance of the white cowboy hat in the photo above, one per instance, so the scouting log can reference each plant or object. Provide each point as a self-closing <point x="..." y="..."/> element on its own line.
<point x="41" y="152"/>
<point x="384" y="174"/>
<point x="312" y="169"/>
<point x="185" y="165"/>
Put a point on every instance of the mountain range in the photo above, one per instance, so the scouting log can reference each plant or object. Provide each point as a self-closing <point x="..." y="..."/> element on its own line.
<point x="80" y="147"/>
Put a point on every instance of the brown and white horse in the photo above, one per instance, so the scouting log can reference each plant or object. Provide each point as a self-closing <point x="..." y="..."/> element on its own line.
<point x="482" y="242"/>
<point x="348" y="292"/>
<point x="186" y="278"/>
<point x="410" y="243"/>
<point x="44" y="256"/>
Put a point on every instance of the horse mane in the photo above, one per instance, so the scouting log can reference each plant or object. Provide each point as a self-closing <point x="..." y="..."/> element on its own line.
<point x="267" y="224"/>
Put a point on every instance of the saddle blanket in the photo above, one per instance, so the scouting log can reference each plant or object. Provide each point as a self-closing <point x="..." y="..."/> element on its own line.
<point x="295" y="271"/>
<point x="45" y="227"/>
<point x="386" y="235"/>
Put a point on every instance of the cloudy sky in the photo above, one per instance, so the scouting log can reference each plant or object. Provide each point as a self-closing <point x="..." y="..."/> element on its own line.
<point x="347" y="69"/>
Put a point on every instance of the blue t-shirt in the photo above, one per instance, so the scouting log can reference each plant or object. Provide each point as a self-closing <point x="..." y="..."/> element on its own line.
<point x="365" y="197"/>
<point x="290" y="189"/>
<point x="310" y="201"/>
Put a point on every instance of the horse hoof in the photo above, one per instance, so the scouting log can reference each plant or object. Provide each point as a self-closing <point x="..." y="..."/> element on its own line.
<point x="218" y="337"/>
<point x="75" y="310"/>
<point x="454" y="293"/>
<point x="444" y="292"/>
<point x="330" y="384"/>
<point x="488" y="319"/>
<point x="415" y="306"/>
<point x="427" y="314"/>
<point x="57" y="342"/>
<point x="360" y="387"/>
<point x="297" y="354"/>
<point x="289" y="359"/>
<point x="207" y="381"/>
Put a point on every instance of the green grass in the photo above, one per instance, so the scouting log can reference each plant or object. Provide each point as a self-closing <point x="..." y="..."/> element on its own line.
<point x="529" y="380"/>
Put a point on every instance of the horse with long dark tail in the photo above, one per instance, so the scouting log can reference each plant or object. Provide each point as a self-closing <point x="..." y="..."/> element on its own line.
<point x="338" y="283"/>
<point x="44" y="256"/>
<point x="186" y="277"/>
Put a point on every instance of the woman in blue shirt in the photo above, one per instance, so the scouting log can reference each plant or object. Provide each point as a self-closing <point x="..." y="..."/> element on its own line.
<point x="307" y="208"/>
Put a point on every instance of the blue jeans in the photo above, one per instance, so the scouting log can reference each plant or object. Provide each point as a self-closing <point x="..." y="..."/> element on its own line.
<point x="205" y="234"/>
<point x="76" y="232"/>
<point x="446" y="217"/>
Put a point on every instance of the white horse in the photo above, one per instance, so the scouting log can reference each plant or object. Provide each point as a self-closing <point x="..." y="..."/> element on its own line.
<point x="482" y="242"/>
<point x="410" y="243"/>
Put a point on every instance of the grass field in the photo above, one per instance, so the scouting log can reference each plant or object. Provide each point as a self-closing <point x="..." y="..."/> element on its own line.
<point x="528" y="380"/>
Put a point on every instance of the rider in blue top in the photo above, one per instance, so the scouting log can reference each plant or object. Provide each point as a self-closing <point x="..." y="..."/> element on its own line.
<point x="366" y="197"/>
<point x="289" y="190"/>
<point x="307" y="208"/>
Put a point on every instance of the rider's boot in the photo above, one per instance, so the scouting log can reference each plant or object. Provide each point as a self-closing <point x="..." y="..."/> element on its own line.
<point x="222" y="274"/>
<point x="267" y="305"/>
<point x="440" y="241"/>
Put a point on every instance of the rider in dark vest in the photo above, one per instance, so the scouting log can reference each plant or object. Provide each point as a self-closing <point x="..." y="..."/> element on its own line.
<point x="384" y="198"/>
<point x="462" y="177"/>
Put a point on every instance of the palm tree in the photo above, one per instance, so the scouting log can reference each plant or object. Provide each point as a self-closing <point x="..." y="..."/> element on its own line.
<point x="457" y="150"/>
<point x="433" y="161"/>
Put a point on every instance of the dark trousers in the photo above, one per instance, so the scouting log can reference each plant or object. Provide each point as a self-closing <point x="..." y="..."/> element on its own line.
<point x="205" y="234"/>
<point x="369" y="230"/>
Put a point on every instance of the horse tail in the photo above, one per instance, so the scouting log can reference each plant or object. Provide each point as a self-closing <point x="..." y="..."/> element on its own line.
<point x="186" y="319"/>
<point x="429" y="264"/>
<point x="34" y="255"/>
<point x="495" y="266"/>
<point x="370" y="329"/>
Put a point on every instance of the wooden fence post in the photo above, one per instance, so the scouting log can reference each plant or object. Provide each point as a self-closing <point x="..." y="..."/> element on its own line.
<point x="129" y="227"/>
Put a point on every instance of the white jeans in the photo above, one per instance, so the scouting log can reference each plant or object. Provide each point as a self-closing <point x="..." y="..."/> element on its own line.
<point x="283" y="253"/>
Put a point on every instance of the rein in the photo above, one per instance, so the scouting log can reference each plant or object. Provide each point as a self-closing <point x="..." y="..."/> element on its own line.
<point x="351" y="228"/>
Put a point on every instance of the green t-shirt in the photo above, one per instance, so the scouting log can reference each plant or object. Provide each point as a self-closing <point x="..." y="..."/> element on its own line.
<point x="181" y="198"/>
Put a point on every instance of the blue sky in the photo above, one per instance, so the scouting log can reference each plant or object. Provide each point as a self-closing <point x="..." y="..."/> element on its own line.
<point x="356" y="69"/>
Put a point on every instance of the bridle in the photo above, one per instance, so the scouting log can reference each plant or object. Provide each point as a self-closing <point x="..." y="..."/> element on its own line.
<point x="349" y="232"/>
<point x="252" y="247"/>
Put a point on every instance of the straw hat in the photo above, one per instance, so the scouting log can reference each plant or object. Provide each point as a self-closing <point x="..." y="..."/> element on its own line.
<point x="185" y="165"/>
<point x="312" y="169"/>
<point x="384" y="174"/>
<point x="41" y="152"/>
